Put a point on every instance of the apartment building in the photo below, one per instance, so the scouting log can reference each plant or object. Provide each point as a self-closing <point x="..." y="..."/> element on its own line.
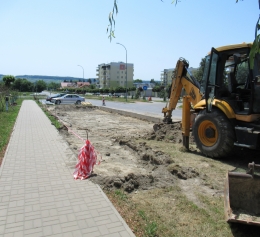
<point x="166" y="76"/>
<point x="114" y="74"/>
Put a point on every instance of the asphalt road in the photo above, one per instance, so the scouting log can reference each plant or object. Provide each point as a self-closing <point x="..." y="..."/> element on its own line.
<point x="153" y="108"/>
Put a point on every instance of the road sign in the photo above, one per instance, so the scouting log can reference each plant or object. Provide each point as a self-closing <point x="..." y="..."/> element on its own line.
<point x="144" y="88"/>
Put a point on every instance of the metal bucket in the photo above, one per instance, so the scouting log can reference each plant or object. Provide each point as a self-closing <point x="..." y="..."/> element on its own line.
<point x="242" y="196"/>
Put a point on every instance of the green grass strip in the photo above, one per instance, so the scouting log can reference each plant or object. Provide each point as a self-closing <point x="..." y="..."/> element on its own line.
<point x="7" y="121"/>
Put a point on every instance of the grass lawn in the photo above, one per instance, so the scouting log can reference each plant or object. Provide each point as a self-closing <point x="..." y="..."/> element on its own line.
<point x="7" y="119"/>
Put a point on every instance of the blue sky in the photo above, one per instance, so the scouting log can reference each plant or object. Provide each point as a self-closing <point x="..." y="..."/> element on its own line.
<point x="52" y="37"/>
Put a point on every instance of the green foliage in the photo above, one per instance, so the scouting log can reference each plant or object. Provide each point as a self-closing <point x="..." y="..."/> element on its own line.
<point x="93" y="89"/>
<point x="40" y="86"/>
<point x="106" y="90"/>
<point x="111" y="90"/>
<point x="120" y="89"/>
<point x="51" y="117"/>
<point x="142" y="214"/>
<point x="53" y="85"/>
<point x="138" y="81"/>
<point x="22" y="85"/>
<point x="121" y="195"/>
<point x="198" y="74"/>
<point x="176" y="1"/>
<point x="150" y="227"/>
<point x="7" y="122"/>
<point x="140" y="89"/>
<point x="162" y="94"/>
<point x="133" y="88"/>
<point x="157" y="88"/>
<point x="112" y="23"/>
<point x="8" y="80"/>
<point x="254" y="51"/>
<point x="137" y="94"/>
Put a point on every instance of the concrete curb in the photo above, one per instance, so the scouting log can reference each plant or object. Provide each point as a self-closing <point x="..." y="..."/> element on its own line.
<point x="149" y="118"/>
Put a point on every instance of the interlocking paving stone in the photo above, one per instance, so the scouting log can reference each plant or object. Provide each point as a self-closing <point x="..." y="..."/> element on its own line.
<point x="38" y="195"/>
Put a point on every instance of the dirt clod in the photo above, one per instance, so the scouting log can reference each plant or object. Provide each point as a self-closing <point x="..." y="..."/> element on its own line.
<point x="182" y="172"/>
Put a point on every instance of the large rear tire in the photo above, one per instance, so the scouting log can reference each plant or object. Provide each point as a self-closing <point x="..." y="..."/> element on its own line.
<point x="214" y="134"/>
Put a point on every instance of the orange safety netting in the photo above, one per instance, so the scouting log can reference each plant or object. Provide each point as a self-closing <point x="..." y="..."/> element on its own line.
<point x="87" y="158"/>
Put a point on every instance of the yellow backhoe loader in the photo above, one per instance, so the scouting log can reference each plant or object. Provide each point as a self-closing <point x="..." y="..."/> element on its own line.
<point x="224" y="111"/>
<point x="224" y="108"/>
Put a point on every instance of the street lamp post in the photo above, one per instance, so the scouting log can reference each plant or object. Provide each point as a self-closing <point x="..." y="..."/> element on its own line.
<point x="83" y="71"/>
<point x="126" y="72"/>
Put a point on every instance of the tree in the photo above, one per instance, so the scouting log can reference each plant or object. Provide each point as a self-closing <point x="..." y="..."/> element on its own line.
<point x="120" y="89"/>
<point x="198" y="74"/>
<point x="53" y="85"/>
<point x="8" y="80"/>
<point x="22" y="85"/>
<point x="138" y="81"/>
<point x="106" y="90"/>
<point x="157" y="88"/>
<point x="40" y="85"/>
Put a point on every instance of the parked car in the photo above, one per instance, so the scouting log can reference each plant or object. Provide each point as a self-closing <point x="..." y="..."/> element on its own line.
<point x="54" y="96"/>
<point x="68" y="99"/>
<point x="116" y="95"/>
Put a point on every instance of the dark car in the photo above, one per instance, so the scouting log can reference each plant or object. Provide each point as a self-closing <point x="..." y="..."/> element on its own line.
<point x="49" y="98"/>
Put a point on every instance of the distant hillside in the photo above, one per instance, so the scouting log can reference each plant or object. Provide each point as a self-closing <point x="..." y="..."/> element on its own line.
<point x="33" y="78"/>
<point x="48" y="79"/>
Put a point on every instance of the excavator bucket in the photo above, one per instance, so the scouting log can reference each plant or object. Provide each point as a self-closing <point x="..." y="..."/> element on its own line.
<point x="242" y="196"/>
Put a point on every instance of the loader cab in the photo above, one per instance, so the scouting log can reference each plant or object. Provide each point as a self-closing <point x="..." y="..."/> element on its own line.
<point x="227" y="77"/>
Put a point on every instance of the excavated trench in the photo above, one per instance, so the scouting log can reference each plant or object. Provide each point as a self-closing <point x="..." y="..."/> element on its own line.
<point x="126" y="162"/>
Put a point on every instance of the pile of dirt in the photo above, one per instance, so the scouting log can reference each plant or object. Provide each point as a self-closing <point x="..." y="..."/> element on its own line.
<point x="167" y="133"/>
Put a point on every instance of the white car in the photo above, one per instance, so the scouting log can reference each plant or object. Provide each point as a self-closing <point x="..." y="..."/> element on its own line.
<point x="68" y="99"/>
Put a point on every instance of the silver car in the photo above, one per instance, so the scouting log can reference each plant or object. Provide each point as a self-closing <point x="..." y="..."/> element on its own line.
<point x="68" y="99"/>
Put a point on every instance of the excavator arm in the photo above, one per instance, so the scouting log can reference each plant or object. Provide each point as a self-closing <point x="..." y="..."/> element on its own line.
<point x="193" y="95"/>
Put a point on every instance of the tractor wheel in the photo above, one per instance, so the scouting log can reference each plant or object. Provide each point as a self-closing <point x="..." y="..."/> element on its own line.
<point x="214" y="134"/>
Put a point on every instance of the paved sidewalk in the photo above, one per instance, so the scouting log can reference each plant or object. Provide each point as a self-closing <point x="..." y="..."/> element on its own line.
<point x="38" y="195"/>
